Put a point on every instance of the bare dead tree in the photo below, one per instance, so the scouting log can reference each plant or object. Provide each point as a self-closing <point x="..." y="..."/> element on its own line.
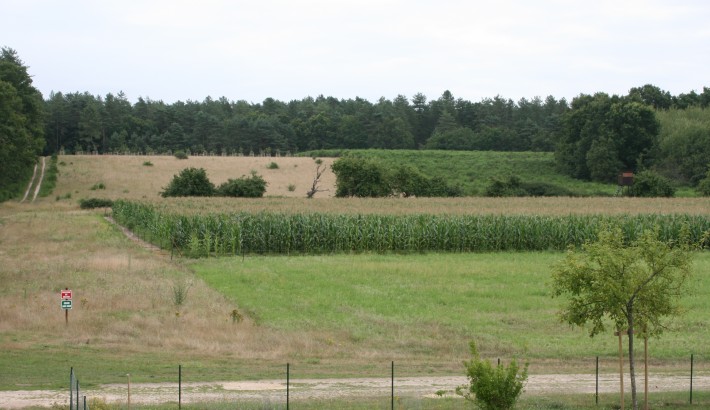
<point x="320" y="169"/>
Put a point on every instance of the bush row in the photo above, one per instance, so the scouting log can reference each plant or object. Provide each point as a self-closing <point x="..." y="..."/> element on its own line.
<point x="194" y="182"/>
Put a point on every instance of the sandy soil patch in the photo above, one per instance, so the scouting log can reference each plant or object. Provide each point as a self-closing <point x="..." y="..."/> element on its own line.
<point x="274" y="391"/>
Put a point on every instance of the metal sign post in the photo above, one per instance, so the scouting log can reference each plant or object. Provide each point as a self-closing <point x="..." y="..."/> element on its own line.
<point x="66" y="303"/>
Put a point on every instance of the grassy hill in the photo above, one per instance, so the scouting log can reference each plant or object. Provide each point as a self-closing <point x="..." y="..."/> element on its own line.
<point x="473" y="170"/>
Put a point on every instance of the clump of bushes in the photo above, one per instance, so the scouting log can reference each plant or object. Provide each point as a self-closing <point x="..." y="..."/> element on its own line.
<point x="189" y="182"/>
<point x="514" y="186"/>
<point x="272" y="165"/>
<point x="704" y="185"/>
<point x="180" y="155"/>
<point x="147" y="164"/>
<point x="253" y="186"/>
<point x="650" y="184"/>
<point x="194" y="182"/>
<point x="91" y="203"/>
<point x="364" y="177"/>
<point x="493" y="388"/>
<point x="98" y="185"/>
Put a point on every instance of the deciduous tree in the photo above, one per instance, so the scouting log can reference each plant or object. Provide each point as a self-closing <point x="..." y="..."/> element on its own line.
<point x="634" y="286"/>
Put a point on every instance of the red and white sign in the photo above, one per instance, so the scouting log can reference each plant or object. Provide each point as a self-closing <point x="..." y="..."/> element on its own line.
<point x="66" y="294"/>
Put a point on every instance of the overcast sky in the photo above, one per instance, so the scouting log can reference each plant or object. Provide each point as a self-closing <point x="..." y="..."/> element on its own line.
<point x="249" y="50"/>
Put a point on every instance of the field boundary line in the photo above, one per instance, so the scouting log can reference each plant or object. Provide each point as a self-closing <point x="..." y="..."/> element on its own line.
<point x="133" y="237"/>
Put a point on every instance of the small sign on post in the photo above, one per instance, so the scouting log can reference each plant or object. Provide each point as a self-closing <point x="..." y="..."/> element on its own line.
<point x="66" y="303"/>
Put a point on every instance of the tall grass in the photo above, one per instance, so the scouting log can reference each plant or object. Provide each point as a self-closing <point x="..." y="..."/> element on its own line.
<point x="319" y="233"/>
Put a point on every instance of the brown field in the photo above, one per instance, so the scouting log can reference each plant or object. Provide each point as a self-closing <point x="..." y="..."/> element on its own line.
<point x="125" y="176"/>
<point x="123" y="296"/>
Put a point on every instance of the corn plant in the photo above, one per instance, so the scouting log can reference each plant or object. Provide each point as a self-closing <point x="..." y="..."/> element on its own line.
<point x="318" y="233"/>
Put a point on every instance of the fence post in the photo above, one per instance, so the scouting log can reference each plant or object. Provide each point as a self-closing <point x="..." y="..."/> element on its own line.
<point x="84" y="402"/>
<point x="77" y="394"/>
<point x="179" y="386"/>
<point x="596" y="389"/>
<point x="691" y="378"/>
<point x="392" y="394"/>
<point x="71" y="388"/>
<point x="288" y="371"/>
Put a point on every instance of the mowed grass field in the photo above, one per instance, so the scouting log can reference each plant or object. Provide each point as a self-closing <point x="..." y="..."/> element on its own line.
<point x="331" y="315"/>
<point x="412" y="307"/>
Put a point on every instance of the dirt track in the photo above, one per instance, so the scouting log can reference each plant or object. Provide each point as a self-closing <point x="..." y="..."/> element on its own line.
<point x="274" y="391"/>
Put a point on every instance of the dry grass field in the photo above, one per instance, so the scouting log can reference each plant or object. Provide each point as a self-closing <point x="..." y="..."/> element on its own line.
<point x="124" y="304"/>
<point x="126" y="176"/>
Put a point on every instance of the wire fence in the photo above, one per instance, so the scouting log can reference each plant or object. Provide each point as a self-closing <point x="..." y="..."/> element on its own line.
<point x="390" y="386"/>
<point x="76" y="400"/>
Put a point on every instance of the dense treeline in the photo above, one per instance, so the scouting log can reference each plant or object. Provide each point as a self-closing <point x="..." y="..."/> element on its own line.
<point x="594" y="137"/>
<point x="79" y="122"/>
<point x="21" y="124"/>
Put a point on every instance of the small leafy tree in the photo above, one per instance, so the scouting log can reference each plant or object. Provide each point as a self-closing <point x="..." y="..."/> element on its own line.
<point x="409" y="181"/>
<point x="650" y="184"/>
<point x="493" y="388"/>
<point x="190" y="182"/>
<point x="704" y="185"/>
<point x="253" y="186"/>
<point x="632" y="285"/>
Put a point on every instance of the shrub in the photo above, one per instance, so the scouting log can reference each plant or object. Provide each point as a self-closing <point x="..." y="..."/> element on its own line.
<point x="180" y="155"/>
<point x="272" y="165"/>
<point x="190" y="182"/>
<point x="408" y="181"/>
<point x="291" y="187"/>
<point x="98" y="185"/>
<point x="245" y="187"/>
<point x="493" y="388"/>
<point x="510" y="187"/>
<point x="651" y="184"/>
<point x="91" y="203"/>
<point x="513" y="186"/>
<point x="147" y="164"/>
<point x="545" y="189"/>
<point x="361" y="177"/>
<point x="704" y="185"/>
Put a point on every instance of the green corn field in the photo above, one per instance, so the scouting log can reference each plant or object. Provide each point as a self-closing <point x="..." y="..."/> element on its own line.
<point x="322" y="233"/>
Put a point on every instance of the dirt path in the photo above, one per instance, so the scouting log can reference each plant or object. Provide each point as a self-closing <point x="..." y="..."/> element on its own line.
<point x="41" y="178"/>
<point x="29" y="186"/>
<point x="274" y="391"/>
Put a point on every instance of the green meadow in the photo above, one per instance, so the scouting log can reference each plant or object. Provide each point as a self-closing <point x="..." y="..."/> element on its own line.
<point x="427" y="307"/>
